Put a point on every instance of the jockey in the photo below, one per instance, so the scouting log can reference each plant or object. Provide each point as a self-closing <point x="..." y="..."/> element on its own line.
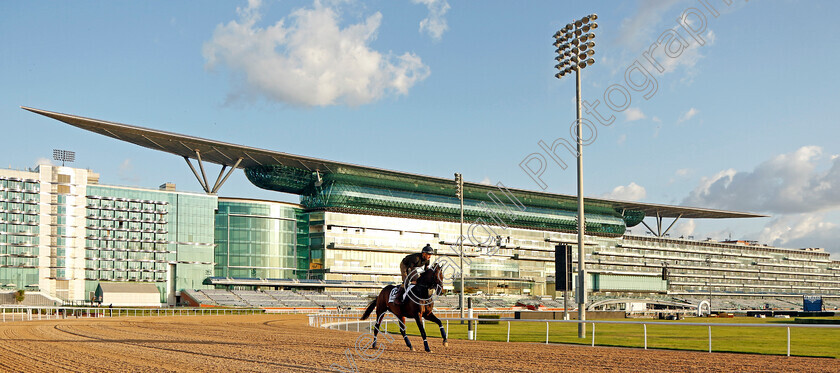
<point x="409" y="265"/>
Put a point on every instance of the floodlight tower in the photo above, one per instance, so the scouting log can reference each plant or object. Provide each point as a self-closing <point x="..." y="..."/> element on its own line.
<point x="459" y="193"/>
<point x="64" y="156"/>
<point x="575" y="48"/>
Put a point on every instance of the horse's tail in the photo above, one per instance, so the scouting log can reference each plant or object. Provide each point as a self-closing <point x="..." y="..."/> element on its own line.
<point x="369" y="309"/>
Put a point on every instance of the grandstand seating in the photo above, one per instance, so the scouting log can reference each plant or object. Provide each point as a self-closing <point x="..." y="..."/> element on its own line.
<point x="347" y="299"/>
<point x="344" y="299"/>
<point x="291" y="299"/>
<point x="224" y="298"/>
<point x="198" y="296"/>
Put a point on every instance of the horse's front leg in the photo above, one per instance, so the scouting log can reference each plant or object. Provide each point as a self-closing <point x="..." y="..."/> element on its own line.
<point x="431" y="317"/>
<point x="402" y="331"/>
<point x="419" y="320"/>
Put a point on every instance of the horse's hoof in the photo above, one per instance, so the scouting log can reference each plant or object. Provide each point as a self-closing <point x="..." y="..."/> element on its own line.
<point x="428" y="350"/>
<point x="412" y="349"/>
<point x="445" y="344"/>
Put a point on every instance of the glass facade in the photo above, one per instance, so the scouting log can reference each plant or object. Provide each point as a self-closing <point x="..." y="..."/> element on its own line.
<point x="148" y="236"/>
<point x="260" y="239"/>
<point x="366" y="191"/>
<point x="19" y="232"/>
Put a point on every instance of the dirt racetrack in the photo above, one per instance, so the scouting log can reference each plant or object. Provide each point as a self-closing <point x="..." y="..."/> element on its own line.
<point x="285" y="343"/>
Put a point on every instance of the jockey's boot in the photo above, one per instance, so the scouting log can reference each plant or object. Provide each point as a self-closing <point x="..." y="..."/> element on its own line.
<point x="398" y="298"/>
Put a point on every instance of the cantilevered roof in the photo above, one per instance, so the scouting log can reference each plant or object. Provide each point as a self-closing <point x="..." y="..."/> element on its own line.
<point x="228" y="154"/>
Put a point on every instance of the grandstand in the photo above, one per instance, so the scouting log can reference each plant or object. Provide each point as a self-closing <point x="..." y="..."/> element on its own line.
<point x="277" y="298"/>
<point x="345" y="299"/>
<point x="355" y="223"/>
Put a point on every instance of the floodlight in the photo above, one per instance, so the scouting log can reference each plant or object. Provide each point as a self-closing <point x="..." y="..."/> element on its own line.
<point x="583" y="55"/>
<point x="576" y="46"/>
<point x="64" y="156"/>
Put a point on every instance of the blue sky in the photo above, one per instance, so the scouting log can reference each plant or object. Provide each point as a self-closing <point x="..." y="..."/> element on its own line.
<point x="746" y="121"/>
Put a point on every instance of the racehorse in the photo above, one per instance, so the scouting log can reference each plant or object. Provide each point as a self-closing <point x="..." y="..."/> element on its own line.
<point x="418" y="305"/>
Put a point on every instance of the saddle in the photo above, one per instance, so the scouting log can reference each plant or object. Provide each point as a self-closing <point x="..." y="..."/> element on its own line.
<point x="398" y="294"/>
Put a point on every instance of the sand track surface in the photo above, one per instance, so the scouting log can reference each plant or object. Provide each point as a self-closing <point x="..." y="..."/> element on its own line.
<point x="285" y="343"/>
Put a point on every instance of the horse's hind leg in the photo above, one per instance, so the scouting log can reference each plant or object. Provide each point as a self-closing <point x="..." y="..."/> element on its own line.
<point x="376" y="328"/>
<point x="431" y="317"/>
<point x="402" y="331"/>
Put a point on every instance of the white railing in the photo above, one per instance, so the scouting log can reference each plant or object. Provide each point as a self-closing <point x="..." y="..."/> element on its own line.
<point x="344" y="322"/>
<point x="30" y="313"/>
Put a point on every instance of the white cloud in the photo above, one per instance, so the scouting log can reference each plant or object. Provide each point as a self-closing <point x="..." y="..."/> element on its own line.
<point x="307" y="59"/>
<point x="637" y="30"/>
<point x="622" y="139"/>
<point x="435" y="25"/>
<point x="687" y="60"/>
<point x="633" y="114"/>
<point x="802" y="231"/>
<point x="683" y="172"/>
<point x="688" y="115"/>
<point x="44" y="161"/>
<point x="656" y="119"/>
<point x="684" y="228"/>
<point x="485" y="181"/>
<point x="787" y="228"/>
<point x="631" y="192"/>
<point x="126" y="172"/>
<point x="787" y="183"/>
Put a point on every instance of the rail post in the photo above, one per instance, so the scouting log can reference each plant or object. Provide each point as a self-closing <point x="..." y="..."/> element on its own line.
<point x="508" y="332"/>
<point x="593" y="334"/>
<point x="788" y="341"/>
<point x="710" y="339"/>
<point x="546" y="332"/>
<point x="645" y="328"/>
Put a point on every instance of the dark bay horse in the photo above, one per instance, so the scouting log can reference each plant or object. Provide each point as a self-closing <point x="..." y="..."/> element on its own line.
<point x="418" y="305"/>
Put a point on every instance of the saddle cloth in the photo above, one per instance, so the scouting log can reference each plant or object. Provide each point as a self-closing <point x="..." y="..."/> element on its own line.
<point x="393" y="294"/>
